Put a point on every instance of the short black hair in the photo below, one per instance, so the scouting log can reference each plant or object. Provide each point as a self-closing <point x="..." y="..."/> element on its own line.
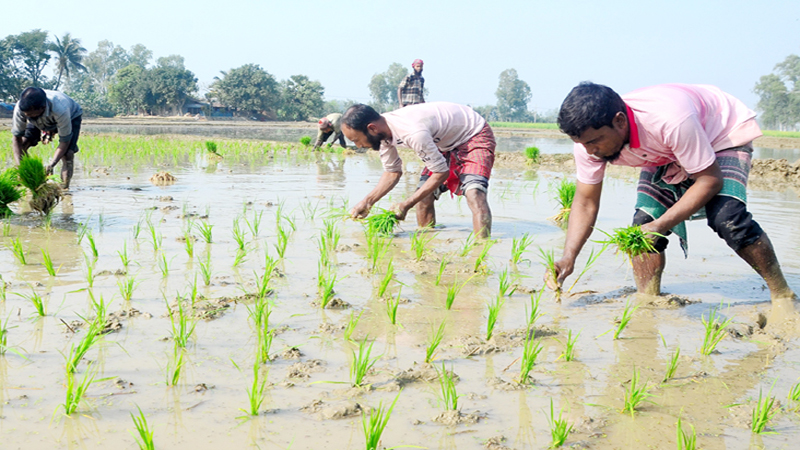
<point x="32" y="98"/>
<point x="359" y="116"/>
<point x="589" y="105"/>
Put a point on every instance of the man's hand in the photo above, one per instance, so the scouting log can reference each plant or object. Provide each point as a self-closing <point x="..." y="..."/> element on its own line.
<point x="564" y="268"/>
<point x="361" y="210"/>
<point x="652" y="228"/>
<point x="47" y="137"/>
<point x="400" y="210"/>
<point x="48" y="169"/>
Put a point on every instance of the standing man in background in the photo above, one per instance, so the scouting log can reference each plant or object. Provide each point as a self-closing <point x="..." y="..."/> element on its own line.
<point x="38" y="115"/>
<point x="330" y="125"/>
<point x="411" y="89"/>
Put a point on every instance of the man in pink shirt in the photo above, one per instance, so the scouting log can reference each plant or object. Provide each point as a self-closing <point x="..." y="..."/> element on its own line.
<point x="454" y="142"/>
<point x="693" y="143"/>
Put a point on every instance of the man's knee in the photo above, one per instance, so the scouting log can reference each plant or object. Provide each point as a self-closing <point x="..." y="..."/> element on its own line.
<point x="729" y="218"/>
<point x="640" y="218"/>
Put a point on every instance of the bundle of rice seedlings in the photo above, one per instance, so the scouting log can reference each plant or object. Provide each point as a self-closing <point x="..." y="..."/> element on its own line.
<point x="44" y="195"/>
<point x="382" y="223"/>
<point x="565" y="196"/>
<point x="632" y="241"/>
<point x="9" y="192"/>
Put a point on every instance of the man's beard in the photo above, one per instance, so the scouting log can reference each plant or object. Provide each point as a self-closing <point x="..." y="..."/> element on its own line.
<point x="613" y="157"/>
<point x="375" y="140"/>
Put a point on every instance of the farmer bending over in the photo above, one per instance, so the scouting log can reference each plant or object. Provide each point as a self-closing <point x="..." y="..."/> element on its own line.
<point x="330" y="125"/>
<point x="693" y="143"/>
<point x="455" y="144"/>
<point x="37" y="116"/>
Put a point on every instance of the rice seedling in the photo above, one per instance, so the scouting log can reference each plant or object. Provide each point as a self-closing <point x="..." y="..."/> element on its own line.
<point x="391" y="306"/>
<point x="326" y="288"/>
<point x="763" y="412"/>
<point x="375" y="423"/>
<point x="419" y="242"/>
<point x="123" y="255"/>
<point x="48" y="263"/>
<point x="182" y="326"/>
<point x="76" y="392"/>
<point x="534" y="314"/>
<point x="211" y="147"/>
<point x="4" y="334"/>
<point x="714" y="331"/>
<point x="155" y="236"/>
<point x="32" y="175"/>
<point x="548" y="258"/>
<point x="126" y="287"/>
<point x="494" y="311"/>
<point x="377" y="247"/>
<point x="387" y="278"/>
<point x="2" y="289"/>
<point x="452" y="292"/>
<point x="255" y="224"/>
<point x="468" y="244"/>
<point x="331" y="233"/>
<point x="672" y="365"/>
<point x="635" y="394"/>
<point x="559" y="428"/>
<point x="627" y="315"/>
<point x="77" y="352"/>
<point x="241" y="256"/>
<point x="530" y="351"/>
<point x="89" y="269"/>
<point x="504" y="284"/>
<point x="480" y="261"/>
<point x="36" y="300"/>
<point x="283" y="242"/>
<point x="205" y="228"/>
<point x="794" y="394"/>
<point x="589" y="263"/>
<point x="238" y="235"/>
<point x="309" y="210"/>
<point x="9" y="192"/>
<point x="382" y="223"/>
<point x="145" y="438"/>
<point x="361" y="363"/>
<point x="447" y="387"/>
<point x="163" y="265"/>
<point x="174" y="367"/>
<point x="437" y="335"/>
<point x="256" y="393"/>
<point x="136" y="230"/>
<point x="632" y="241"/>
<point x="532" y="153"/>
<point x="260" y="314"/>
<point x="519" y="246"/>
<point x="18" y="251"/>
<point x="569" y="346"/>
<point x="205" y="269"/>
<point x="565" y="194"/>
<point x="6" y="229"/>
<point x="305" y="141"/>
<point x="686" y="440"/>
<point x="442" y="266"/>
<point x="352" y="323"/>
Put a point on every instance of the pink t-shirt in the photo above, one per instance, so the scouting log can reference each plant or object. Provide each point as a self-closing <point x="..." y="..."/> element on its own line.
<point x="676" y="123"/>
<point x="428" y="129"/>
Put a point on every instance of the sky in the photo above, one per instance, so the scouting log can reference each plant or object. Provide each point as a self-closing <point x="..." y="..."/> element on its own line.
<point x="465" y="44"/>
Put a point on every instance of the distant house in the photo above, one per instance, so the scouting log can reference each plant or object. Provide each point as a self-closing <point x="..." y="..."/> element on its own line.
<point x="195" y="107"/>
<point x="6" y="109"/>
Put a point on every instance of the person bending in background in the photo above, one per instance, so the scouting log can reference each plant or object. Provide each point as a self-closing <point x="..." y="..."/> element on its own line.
<point x="38" y="115"/>
<point x="330" y="125"/>
<point x="454" y="142"/>
<point x="693" y="143"/>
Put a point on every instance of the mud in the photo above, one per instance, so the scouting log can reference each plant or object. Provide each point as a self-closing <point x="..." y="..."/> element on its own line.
<point x="309" y="402"/>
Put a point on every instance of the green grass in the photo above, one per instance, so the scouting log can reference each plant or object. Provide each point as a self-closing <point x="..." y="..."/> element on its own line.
<point x="784" y="134"/>
<point x="361" y="363"/>
<point x="437" y="334"/>
<point x="533" y="125"/>
<point x="282" y="242"/>
<point x="163" y="265"/>
<point x="530" y="352"/>
<point x="533" y="154"/>
<point x="635" y="394"/>
<point x="627" y="315"/>
<point x="763" y="412"/>
<point x="793" y="397"/>
<point x="447" y="389"/>
<point x="714" y="331"/>
<point x="255" y="223"/>
<point x="374" y="424"/>
<point x="494" y="311"/>
<point x="686" y="440"/>
<point x="145" y="435"/>
<point x="519" y="246"/>
<point x="632" y="241"/>
<point x="559" y="428"/>
<point x="238" y="235"/>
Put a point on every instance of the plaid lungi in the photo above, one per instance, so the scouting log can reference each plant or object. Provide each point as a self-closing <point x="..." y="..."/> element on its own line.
<point x="654" y="196"/>
<point x="474" y="157"/>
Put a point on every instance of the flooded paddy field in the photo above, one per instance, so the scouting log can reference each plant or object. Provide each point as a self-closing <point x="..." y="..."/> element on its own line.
<point x="185" y="329"/>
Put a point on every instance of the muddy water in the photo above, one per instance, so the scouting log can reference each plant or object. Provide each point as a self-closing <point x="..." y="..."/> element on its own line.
<point x="204" y="410"/>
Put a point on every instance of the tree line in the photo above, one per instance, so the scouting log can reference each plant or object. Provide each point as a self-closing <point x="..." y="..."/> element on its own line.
<point x="779" y="95"/>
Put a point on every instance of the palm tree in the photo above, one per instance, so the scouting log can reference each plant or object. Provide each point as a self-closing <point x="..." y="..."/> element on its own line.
<point x="70" y="54"/>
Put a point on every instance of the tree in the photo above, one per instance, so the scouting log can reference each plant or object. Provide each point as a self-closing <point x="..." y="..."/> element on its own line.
<point x="170" y="86"/>
<point x="32" y="50"/>
<point x="513" y="96"/>
<point x="104" y="62"/>
<point x="383" y="87"/>
<point x="140" y="55"/>
<point x="779" y="95"/>
<point x="174" y="61"/>
<point x="129" y="91"/>
<point x="301" y="98"/>
<point x="489" y="112"/>
<point x="69" y="54"/>
<point x="247" y="89"/>
<point x="10" y="78"/>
